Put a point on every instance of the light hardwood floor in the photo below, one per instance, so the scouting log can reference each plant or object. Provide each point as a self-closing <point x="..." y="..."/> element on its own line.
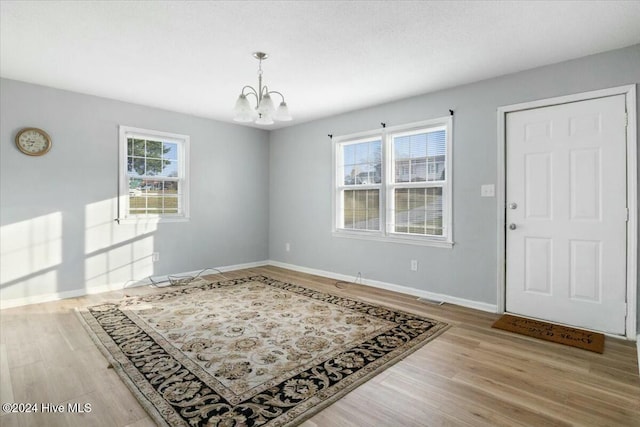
<point x="470" y="375"/>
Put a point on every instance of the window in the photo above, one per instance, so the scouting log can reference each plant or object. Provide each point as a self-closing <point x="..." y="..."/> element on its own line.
<point x="153" y="182"/>
<point x="360" y="163"/>
<point x="394" y="184"/>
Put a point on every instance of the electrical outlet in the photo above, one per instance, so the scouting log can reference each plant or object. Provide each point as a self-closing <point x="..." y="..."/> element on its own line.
<point x="414" y="265"/>
<point x="155" y="257"/>
<point x="287" y="247"/>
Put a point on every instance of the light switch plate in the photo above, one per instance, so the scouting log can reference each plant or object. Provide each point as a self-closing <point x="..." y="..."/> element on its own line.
<point x="488" y="190"/>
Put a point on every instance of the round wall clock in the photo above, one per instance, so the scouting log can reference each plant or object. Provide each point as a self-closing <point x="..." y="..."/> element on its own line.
<point x="33" y="141"/>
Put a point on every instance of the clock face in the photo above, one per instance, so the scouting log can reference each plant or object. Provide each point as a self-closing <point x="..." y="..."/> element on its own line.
<point x="33" y="142"/>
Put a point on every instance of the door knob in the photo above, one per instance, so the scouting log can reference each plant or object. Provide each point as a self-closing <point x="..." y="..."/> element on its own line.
<point x="513" y="206"/>
<point x="512" y="226"/>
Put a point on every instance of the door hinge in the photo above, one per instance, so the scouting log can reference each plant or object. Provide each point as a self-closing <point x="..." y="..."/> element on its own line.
<point x="626" y="119"/>
<point x="627" y="214"/>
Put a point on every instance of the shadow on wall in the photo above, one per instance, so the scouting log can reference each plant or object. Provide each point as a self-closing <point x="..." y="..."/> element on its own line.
<point x="54" y="255"/>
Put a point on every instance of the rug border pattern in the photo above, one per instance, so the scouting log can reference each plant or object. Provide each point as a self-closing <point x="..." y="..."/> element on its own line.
<point x="157" y="407"/>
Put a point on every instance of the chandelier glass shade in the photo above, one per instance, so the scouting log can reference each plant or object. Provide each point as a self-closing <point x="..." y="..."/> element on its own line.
<point x="264" y="112"/>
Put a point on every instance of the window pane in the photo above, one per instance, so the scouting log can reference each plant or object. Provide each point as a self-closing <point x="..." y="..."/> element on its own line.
<point x="170" y="151"/>
<point x="362" y="153"/>
<point x="349" y="163"/>
<point x="138" y="147"/>
<point x="418" y="211"/>
<point x="419" y="169"/>
<point x="170" y="204"/>
<point x="154" y="203"/>
<point x="434" y="211"/>
<point x="137" y="202"/>
<point x="135" y="166"/>
<point x="349" y="174"/>
<point x="150" y="186"/>
<point x="154" y="167"/>
<point x="169" y="168"/>
<point x="170" y="187"/>
<point x="436" y="151"/>
<point x="135" y="183"/>
<point x="412" y="154"/>
<point x="157" y="167"/>
<point x="401" y="148"/>
<point x="154" y="149"/>
<point x="361" y="209"/>
<point x="349" y="154"/>
<point x="152" y="158"/>
<point x="402" y="170"/>
<point x="362" y="163"/>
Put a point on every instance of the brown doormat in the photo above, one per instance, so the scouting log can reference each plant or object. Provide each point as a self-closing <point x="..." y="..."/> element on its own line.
<point x="573" y="337"/>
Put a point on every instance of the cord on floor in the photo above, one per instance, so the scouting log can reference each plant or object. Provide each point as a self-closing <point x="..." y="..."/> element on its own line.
<point x="345" y="283"/>
<point x="184" y="280"/>
<point x="172" y="280"/>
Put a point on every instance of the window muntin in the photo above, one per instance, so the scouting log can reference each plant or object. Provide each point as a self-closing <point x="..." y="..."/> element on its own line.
<point x="154" y="183"/>
<point x="395" y="184"/>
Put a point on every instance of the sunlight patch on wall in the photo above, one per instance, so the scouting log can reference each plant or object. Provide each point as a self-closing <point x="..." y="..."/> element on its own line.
<point x="31" y="251"/>
<point x="115" y="253"/>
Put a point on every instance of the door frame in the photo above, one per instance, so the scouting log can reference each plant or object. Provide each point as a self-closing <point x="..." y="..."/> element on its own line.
<point x="632" y="191"/>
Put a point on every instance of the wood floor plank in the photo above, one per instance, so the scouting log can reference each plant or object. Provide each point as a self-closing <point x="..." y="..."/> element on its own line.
<point x="109" y="406"/>
<point x="471" y="375"/>
<point x="144" y="422"/>
<point x="9" y="420"/>
<point x="6" y="388"/>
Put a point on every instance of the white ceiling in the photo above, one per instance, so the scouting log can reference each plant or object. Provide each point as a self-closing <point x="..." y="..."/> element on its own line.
<point x="326" y="57"/>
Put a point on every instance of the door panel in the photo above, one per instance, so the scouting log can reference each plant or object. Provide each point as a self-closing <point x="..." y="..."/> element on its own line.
<point x="537" y="198"/>
<point x="538" y="259"/>
<point x="585" y="270"/>
<point x="566" y="198"/>
<point x="585" y="193"/>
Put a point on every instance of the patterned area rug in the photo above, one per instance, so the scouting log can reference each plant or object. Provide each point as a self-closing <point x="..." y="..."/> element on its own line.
<point x="252" y="351"/>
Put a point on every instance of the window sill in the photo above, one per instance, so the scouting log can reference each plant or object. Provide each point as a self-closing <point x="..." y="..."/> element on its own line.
<point x="394" y="238"/>
<point x="150" y="220"/>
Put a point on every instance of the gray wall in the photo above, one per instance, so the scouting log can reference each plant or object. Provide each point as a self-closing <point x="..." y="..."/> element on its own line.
<point x="300" y="174"/>
<point x="63" y="204"/>
<point x="57" y="210"/>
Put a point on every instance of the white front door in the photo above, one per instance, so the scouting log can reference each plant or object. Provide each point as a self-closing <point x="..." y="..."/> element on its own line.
<point x="566" y="213"/>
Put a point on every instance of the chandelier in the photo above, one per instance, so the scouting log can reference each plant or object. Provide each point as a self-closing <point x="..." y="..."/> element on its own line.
<point x="264" y="113"/>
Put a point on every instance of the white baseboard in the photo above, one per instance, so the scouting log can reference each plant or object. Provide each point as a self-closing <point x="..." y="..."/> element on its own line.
<point x="211" y="270"/>
<point x="36" y="299"/>
<point x="483" y="306"/>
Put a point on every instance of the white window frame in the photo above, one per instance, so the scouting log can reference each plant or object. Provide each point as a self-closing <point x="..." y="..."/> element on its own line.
<point x="339" y="186"/>
<point x="387" y="185"/>
<point x="183" y="141"/>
